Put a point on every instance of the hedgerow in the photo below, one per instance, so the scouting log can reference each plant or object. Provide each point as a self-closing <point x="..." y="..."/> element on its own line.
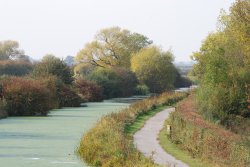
<point x="205" y="140"/>
<point x="25" y="97"/>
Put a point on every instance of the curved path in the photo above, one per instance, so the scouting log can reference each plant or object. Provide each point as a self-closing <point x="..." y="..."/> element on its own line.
<point x="146" y="141"/>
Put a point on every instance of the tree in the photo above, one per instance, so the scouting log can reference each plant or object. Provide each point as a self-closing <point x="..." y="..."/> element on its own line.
<point x="154" y="68"/>
<point x="107" y="79"/>
<point x="112" y="47"/>
<point x="9" y="50"/>
<point x="116" y="82"/>
<point x="223" y="67"/>
<point x="51" y="65"/>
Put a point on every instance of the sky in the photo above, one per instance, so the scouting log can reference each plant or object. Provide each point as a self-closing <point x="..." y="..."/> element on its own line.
<point x="63" y="27"/>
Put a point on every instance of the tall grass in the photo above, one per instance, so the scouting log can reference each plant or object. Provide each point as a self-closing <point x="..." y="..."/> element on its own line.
<point x="108" y="144"/>
<point x="205" y="140"/>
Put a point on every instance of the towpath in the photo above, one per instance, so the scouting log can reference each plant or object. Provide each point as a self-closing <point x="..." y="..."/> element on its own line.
<point x="146" y="141"/>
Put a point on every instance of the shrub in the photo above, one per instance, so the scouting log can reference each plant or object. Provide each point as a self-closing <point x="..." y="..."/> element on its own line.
<point x="53" y="84"/>
<point x="141" y="90"/>
<point x="61" y="95"/>
<point x="17" y="68"/>
<point x="88" y="90"/>
<point x="127" y="81"/>
<point x="116" y="82"/>
<point x="107" y="144"/>
<point x="25" y="97"/>
<point x="3" y="112"/>
<point x="182" y="81"/>
<point x="107" y="79"/>
<point x="51" y="65"/>
<point x="68" y="98"/>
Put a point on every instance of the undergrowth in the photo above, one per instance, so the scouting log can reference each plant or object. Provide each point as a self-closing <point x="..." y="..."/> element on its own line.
<point x="207" y="141"/>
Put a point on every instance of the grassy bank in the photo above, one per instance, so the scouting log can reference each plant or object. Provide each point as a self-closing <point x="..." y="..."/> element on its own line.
<point x="203" y="140"/>
<point x="109" y="142"/>
<point x="178" y="153"/>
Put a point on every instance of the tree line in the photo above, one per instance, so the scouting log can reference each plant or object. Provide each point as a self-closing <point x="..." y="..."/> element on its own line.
<point x="117" y="63"/>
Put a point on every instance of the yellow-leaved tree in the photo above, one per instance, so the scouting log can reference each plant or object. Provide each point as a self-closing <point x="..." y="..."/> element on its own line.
<point x="154" y="68"/>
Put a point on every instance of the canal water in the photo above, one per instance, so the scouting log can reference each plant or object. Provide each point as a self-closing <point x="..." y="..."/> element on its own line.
<point x="49" y="141"/>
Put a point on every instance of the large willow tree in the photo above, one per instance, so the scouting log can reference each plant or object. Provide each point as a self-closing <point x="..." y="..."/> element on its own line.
<point x="112" y="47"/>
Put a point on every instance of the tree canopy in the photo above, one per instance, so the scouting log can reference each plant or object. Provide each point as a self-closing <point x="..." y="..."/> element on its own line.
<point x="10" y="50"/>
<point x="112" y="47"/>
<point x="154" y="68"/>
<point x="223" y="65"/>
<point x="51" y="65"/>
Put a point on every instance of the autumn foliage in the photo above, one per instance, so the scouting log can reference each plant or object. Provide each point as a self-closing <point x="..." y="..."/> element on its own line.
<point x="25" y="97"/>
<point x="88" y="90"/>
<point x="205" y="140"/>
<point x="17" y="68"/>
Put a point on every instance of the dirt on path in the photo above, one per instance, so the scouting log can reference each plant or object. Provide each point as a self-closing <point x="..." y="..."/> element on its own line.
<point x="146" y="141"/>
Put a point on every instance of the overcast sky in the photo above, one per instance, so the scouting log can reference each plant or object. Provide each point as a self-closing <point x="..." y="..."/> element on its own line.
<point x="63" y="27"/>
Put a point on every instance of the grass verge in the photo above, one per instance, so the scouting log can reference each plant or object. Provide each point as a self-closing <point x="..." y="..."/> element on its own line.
<point x="179" y="154"/>
<point x="107" y="144"/>
<point x="204" y="140"/>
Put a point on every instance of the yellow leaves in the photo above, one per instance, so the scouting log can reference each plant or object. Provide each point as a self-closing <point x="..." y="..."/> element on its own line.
<point x="112" y="47"/>
<point x="154" y="68"/>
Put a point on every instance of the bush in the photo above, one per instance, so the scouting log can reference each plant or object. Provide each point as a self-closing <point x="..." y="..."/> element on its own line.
<point x="127" y="81"/>
<point x="88" y="90"/>
<point x="107" y="79"/>
<point x="116" y="82"/>
<point x="141" y="90"/>
<point x="68" y="98"/>
<point x="3" y="112"/>
<point x="53" y="84"/>
<point x="51" y="65"/>
<point x="17" y="68"/>
<point x="61" y="95"/>
<point x="25" y="97"/>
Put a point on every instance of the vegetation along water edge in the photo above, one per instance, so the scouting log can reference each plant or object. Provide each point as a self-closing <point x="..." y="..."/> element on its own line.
<point x="109" y="142"/>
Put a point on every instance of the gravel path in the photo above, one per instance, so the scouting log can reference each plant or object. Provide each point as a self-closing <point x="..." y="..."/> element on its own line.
<point x="146" y="141"/>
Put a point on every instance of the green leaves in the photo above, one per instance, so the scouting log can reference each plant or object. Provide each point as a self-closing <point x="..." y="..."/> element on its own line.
<point x="51" y="65"/>
<point x="223" y="65"/>
<point x="154" y="68"/>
